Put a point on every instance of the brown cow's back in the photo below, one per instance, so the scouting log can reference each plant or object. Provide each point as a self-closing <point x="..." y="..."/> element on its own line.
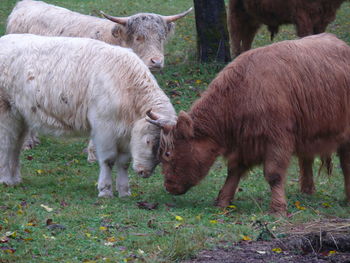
<point x="298" y="90"/>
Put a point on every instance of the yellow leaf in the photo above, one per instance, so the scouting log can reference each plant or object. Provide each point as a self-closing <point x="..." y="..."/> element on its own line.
<point x="213" y="221"/>
<point x="88" y="234"/>
<point x="198" y="81"/>
<point x="277" y="250"/>
<point x="332" y="252"/>
<point x="179" y="218"/>
<point x="111" y="239"/>
<point x="48" y="209"/>
<point x="103" y="228"/>
<point x="326" y="205"/>
<point x="246" y="238"/>
<point x="20" y="212"/>
<point x="134" y="194"/>
<point x="198" y="217"/>
<point x="39" y="171"/>
<point x="30" y="224"/>
<point x="232" y="206"/>
<point x="11" y="234"/>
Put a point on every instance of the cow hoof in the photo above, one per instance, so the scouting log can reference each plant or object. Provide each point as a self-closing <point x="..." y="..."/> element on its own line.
<point x="308" y="190"/>
<point x="222" y="203"/>
<point x="105" y="194"/>
<point x="10" y="181"/>
<point x="91" y="157"/>
<point x="124" y="193"/>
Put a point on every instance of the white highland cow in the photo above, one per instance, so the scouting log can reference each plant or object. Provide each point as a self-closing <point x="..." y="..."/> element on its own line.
<point x="59" y="85"/>
<point x="144" y="33"/>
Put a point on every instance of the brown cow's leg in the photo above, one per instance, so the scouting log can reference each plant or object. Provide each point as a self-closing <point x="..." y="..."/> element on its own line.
<point x="248" y="36"/>
<point x="275" y="167"/>
<point x="242" y="27"/>
<point x="306" y="180"/>
<point x="227" y="192"/>
<point x="344" y="156"/>
<point x="303" y="24"/>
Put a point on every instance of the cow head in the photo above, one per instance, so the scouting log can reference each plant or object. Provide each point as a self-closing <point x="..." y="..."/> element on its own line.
<point x="146" y="34"/>
<point x="144" y="146"/>
<point x="185" y="158"/>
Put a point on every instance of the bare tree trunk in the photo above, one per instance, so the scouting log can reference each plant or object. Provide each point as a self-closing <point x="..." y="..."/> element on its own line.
<point x="212" y="34"/>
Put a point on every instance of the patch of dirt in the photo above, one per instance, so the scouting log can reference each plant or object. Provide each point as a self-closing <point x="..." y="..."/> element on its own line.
<point x="325" y="245"/>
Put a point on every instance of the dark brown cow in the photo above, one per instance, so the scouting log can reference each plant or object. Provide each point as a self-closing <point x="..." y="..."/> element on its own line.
<point x="246" y="16"/>
<point x="256" y="114"/>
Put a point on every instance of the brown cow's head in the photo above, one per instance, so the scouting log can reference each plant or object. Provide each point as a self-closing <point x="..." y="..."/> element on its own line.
<point x="145" y="34"/>
<point x="185" y="159"/>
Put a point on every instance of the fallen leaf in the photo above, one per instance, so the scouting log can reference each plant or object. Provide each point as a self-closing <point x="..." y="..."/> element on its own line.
<point x="245" y="238"/>
<point x="179" y="218"/>
<point x="277" y="250"/>
<point x="4" y="239"/>
<point x="213" y="221"/>
<point x="48" y="209"/>
<point x="103" y="228"/>
<point x="11" y="234"/>
<point x="146" y="205"/>
<point x="8" y="250"/>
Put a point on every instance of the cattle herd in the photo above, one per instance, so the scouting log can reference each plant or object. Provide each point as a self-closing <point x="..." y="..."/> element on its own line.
<point x="62" y="72"/>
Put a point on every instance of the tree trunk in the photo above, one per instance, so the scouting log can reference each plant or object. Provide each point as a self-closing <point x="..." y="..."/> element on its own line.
<point x="212" y="34"/>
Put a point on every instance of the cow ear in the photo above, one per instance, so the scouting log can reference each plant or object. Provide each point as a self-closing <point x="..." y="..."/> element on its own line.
<point x="185" y="125"/>
<point x="171" y="28"/>
<point x="118" y="31"/>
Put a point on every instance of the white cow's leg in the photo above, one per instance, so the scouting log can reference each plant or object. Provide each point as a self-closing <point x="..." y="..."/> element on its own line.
<point x="91" y="150"/>
<point x="31" y="140"/>
<point x="107" y="153"/>
<point x="12" y="132"/>
<point x="122" y="183"/>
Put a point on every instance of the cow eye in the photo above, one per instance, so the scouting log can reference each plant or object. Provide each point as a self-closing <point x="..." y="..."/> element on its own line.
<point x="148" y="141"/>
<point x="140" y="38"/>
<point x="167" y="154"/>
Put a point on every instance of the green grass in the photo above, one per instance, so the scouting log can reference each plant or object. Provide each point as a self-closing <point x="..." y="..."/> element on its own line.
<point x="56" y="175"/>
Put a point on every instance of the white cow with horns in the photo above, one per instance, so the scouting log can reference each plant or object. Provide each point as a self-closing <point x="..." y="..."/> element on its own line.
<point x="61" y="85"/>
<point x="144" y="33"/>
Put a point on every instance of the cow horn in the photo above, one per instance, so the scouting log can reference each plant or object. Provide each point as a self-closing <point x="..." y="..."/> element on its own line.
<point x="173" y="18"/>
<point x="119" y="20"/>
<point x="156" y="120"/>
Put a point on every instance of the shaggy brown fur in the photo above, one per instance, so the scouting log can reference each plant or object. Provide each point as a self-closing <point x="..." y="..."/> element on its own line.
<point x="246" y="16"/>
<point x="253" y="114"/>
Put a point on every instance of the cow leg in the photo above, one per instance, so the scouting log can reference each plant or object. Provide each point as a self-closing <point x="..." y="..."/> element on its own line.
<point x="91" y="150"/>
<point x="122" y="183"/>
<point x="12" y="133"/>
<point x="306" y="180"/>
<point x="31" y="140"/>
<point x="344" y="157"/>
<point x="275" y="167"/>
<point x="227" y="192"/>
<point x="248" y="36"/>
<point x="106" y="149"/>
<point x="242" y="28"/>
<point x="303" y="24"/>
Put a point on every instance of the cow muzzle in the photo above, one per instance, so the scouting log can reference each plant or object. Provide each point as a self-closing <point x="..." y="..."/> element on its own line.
<point x="156" y="64"/>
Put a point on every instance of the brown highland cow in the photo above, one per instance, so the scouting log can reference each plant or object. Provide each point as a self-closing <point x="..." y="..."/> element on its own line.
<point x="246" y="16"/>
<point x="292" y="97"/>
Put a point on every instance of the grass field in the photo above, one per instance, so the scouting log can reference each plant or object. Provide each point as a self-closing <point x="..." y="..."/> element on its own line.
<point x="59" y="185"/>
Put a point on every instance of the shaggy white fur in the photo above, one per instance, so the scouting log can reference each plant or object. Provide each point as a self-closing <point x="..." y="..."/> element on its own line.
<point x="60" y="85"/>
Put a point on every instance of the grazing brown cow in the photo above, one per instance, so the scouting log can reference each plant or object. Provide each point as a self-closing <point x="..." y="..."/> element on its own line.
<point x="256" y="114"/>
<point x="246" y="16"/>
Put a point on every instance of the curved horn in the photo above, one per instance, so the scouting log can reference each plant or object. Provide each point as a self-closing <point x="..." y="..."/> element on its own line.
<point x="156" y="120"/>
<point x="119" y="20"/>
<point x="173" y="18"/>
